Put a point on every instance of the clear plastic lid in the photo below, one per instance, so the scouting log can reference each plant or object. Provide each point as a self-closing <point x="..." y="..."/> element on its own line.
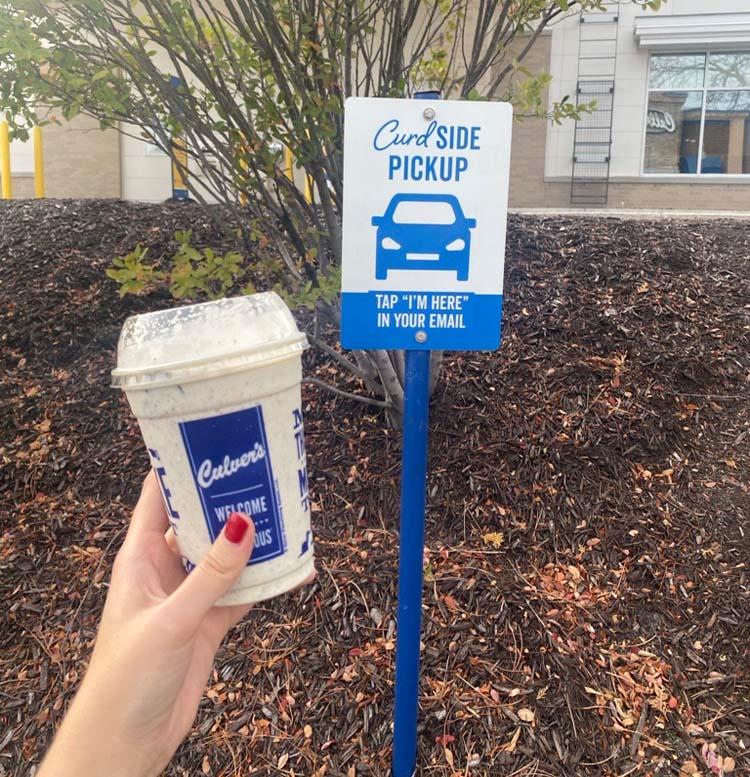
<point x="199" y="341"/>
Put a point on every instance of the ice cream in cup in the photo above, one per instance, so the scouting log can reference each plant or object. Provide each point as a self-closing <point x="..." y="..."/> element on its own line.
<point x="216" y="391"/>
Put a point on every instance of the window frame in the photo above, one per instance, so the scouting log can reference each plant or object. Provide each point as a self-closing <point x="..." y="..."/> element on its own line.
<point x="705" y="89"/>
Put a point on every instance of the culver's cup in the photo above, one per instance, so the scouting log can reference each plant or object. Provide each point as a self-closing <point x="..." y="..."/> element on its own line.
<point x="216" y="391"/>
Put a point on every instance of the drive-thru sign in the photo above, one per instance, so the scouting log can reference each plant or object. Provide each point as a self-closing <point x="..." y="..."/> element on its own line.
<point x="425" y="208"/>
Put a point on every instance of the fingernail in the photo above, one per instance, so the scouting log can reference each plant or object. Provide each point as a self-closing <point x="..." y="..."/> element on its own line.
<point x="237" y="525"/>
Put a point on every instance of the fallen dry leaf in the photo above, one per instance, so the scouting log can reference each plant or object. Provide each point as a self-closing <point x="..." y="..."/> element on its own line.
<point x="495" y="538"/>
<point x="509" y="747"/>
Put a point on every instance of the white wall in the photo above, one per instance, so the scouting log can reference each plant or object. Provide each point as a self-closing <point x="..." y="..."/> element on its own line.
<point x="147" y="171"/>
<point x="21" y="157"/>
<point x="564" y="71"/>
<point x="145" y="176"/>
<point x="629" y="111"/>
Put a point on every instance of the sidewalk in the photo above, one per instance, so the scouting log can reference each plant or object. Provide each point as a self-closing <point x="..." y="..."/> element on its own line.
<point x="646" y="214"/>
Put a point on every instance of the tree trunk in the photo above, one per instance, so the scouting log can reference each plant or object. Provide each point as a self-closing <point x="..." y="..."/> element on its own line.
<point x="383" y="373"/>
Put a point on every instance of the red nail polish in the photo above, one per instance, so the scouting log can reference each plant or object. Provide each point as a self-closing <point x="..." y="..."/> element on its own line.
<point x="237" y="525"/>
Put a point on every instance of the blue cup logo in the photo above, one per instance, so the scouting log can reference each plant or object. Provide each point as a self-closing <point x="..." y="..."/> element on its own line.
<point x="232" y="470"/>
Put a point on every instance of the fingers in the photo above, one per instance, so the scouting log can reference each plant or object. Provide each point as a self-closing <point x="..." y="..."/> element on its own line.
<point x="309" y="579"/>
<point x="226" y="617"/>
<point x="217" y="571"/>
<point x="221" y="619"/>
<point x="149" y="515"/>
<point x="171" y="539"/>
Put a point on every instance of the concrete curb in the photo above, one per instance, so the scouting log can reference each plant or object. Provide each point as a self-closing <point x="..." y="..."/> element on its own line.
<point x="635" y="215"/>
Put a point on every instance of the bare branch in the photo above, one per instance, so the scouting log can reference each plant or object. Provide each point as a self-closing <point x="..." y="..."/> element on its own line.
<point x="347" y="395"/>
<point x="336" y="356"/>
<point x="258" y="77"/>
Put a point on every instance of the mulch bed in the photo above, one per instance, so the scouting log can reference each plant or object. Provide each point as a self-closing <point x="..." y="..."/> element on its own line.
<point x="587" y="554"/>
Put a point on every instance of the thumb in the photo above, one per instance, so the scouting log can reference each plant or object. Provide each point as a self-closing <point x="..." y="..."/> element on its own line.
<point x="219" y="569"/>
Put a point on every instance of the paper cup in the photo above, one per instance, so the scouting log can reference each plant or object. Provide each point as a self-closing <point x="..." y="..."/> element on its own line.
<point x="216" y="391"/>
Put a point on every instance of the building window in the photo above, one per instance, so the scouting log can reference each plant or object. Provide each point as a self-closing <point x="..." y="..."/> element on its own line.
<point x="698" y="119"/>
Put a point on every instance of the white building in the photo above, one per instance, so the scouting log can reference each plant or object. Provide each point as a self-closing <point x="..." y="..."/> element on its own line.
<point x="671" y="128"/>
<point x="672" y="125"/>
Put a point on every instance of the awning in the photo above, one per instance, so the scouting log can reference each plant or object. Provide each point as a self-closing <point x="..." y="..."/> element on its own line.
<point x="684" y="32"/>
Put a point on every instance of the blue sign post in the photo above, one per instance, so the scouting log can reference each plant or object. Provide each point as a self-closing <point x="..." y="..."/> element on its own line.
<point x="411" y="553"/>
<point x="425" y="212"/>
<point x="411" y="559"/>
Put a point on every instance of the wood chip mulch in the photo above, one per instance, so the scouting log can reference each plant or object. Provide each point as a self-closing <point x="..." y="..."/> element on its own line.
<point x="587" y="562"/>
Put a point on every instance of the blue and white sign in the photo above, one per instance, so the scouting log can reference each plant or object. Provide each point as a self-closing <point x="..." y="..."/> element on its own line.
<point x="425" y="211"/>
<point x="232" y="470"/>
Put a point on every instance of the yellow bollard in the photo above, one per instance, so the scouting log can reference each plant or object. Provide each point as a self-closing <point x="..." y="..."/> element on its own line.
<point x="309" y="186"/>
<point x="289" y="172"/>
<point x="7" y="189"/>
<point x="244" y="151"/>
<point x="179" y="168"/>
<point x="243" y="196"/>
<point x="288" y="163"/>
<point x="38" y="163"/>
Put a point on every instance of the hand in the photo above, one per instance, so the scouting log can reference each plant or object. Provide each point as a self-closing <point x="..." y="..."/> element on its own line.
<point x="159" y="632"/>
